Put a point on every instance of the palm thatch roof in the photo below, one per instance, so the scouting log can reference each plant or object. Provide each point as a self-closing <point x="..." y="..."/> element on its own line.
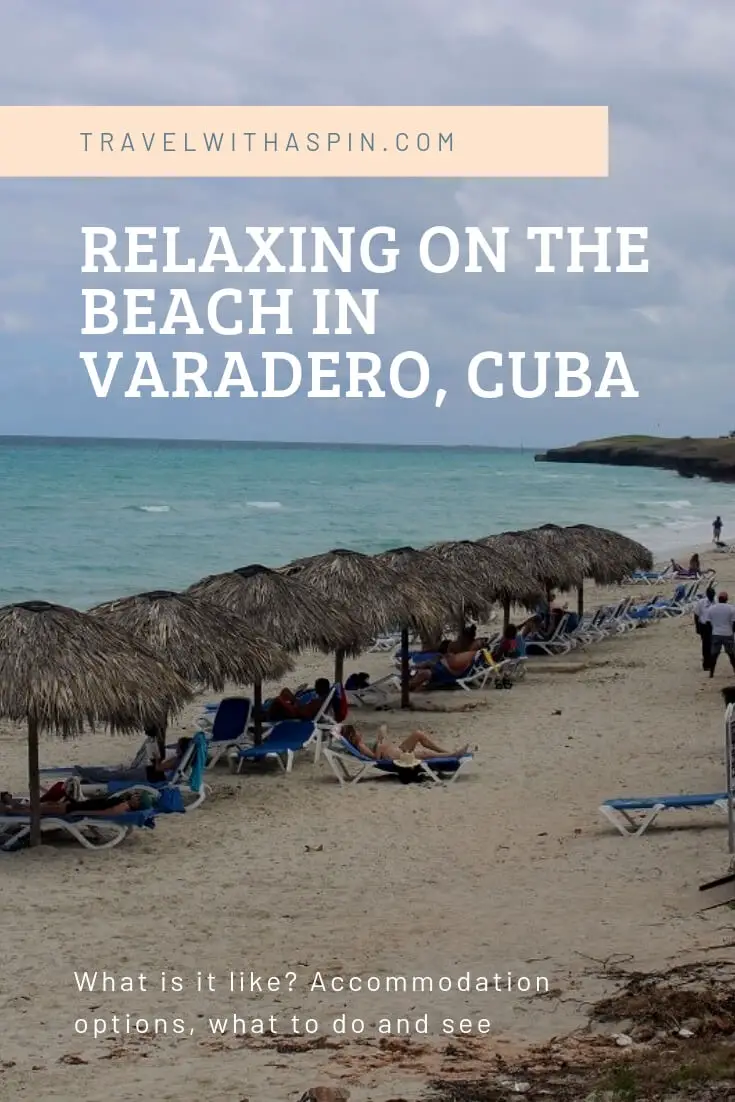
<point x="445" y="587"/>
<point x="620" y="553"/>
<point x="492" y="574"/>
<point x="381" y="596"/>
<point x="291" y="613"/>
<point x="553" y="565"/>
<point x="567" y="545"/>
<point x="61" y="669"/>
<point x="205" y="643"/>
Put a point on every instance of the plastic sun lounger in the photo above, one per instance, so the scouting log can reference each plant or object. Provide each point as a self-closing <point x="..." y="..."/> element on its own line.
<point x="67" y="770"/>
<point x="15" y="829"/>
<point x="485" y="670"/>
<point x="384" y="643"/>
<point x="377" y="692"/>
<point x="621" y="812"/>
<point x="281" y="743"/>
<point x="342" y="754"/>
<point x="229" y="727"/>
<point x="184" y="778"/>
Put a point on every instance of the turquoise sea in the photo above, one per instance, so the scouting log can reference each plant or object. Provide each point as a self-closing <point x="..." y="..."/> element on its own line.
<point x="87" y="520"/>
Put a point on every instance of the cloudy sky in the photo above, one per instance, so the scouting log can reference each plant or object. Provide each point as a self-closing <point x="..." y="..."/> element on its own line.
<point x="664" y="67"/>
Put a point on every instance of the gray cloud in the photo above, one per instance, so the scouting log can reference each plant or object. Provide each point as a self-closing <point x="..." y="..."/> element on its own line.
<point x="663" y="66"/>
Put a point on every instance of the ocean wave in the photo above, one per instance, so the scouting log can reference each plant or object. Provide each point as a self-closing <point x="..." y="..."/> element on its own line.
<point x="151" y="508"/>
<point x="669" y="503"/>
<point x="264" y="504"/>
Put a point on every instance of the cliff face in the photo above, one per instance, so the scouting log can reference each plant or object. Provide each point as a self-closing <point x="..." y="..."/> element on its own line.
<point x="689" y="457"/>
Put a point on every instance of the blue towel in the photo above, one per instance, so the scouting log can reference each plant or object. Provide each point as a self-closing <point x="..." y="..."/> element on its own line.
<point x="199" y="762"/>
<point x="170" y="801"/>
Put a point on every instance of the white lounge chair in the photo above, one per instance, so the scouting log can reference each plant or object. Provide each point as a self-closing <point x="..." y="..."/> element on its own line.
<point x="622" y="812"/>
<point x="92" y="832"/>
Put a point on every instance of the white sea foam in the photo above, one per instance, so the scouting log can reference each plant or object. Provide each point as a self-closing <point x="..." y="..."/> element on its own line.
<point x="673" y="503"/>
<point x="264" y="504"/>
<point x="152" y="508"/>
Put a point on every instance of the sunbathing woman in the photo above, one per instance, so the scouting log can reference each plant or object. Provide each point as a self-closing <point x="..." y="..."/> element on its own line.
<point x="418" y="744"/>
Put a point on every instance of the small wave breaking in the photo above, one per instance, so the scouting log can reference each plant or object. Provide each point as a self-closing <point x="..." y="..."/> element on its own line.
<point x="264" y="504"/>
<point x="152" y="508"/>
<point x="672" y="503"/>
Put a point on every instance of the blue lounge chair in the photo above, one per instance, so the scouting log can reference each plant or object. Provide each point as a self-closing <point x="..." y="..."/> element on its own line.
<point x="88" y="830"/>
<point x="621" y="812"/>
<point x="341" y="754"/>
<point x="187" y="778"/>
<point x="229" y="727"/>
<point x="281" y="743"/>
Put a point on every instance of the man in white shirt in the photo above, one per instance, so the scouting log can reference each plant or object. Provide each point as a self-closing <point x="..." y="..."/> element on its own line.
<point x="721" y="615"/>
<point x="704" y="628"/>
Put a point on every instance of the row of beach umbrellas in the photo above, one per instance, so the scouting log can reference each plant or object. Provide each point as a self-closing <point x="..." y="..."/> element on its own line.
<point x="136" y="661"/>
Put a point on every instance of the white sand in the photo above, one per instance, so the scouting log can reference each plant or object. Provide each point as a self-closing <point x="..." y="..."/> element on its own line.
<point x="509" y="869"/>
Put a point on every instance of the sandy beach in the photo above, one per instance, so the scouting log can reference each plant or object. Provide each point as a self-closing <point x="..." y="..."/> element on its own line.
<point x="509" y="871"/>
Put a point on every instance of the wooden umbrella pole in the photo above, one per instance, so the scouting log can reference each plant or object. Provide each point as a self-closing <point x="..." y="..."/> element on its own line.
<point x="405" y="673"/>
<point x="258" y="712"/>
<point x="34" y="782"/>
<point x="339" y="667"/>
<point x="580" y="599"/>
<point x="506" y="613"/>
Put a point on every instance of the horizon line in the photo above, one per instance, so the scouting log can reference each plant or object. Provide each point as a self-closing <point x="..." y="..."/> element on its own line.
<point x="48" y="438"/>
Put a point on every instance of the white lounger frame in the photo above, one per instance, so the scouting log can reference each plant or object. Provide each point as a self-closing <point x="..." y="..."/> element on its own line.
<point x="15" y="828"/>
<point x="626" y="824"/>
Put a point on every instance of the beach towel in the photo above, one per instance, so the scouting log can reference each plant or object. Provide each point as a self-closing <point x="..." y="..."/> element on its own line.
<point x="340" y="704"/>
<point x="169" y="801"/>
<point x="198" y="761"/>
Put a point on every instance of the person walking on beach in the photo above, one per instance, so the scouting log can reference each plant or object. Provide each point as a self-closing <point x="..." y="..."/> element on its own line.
<point x="704" y="628"/>
<point x="721" y="615"/>
<point x="716" y="529"/>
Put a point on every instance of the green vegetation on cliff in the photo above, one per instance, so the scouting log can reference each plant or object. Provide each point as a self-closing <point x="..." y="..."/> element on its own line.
<point x="690" y="456"/>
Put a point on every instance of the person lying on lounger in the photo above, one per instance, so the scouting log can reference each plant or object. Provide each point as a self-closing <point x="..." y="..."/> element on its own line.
<point x="302" y="704"/>
<point x="418" y="744"/>
<point x="65" y="805"/>
<point x="153" y="770"/>
<point x="443" y="670"/>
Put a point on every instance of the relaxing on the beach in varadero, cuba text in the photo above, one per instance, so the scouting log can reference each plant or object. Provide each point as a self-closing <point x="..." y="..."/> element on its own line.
<point x="231" y="312"/>
<point x="269" y="142"/>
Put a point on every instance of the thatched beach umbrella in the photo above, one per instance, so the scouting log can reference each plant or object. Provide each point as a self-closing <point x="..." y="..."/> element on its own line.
<point x="574" y="548"/>
<point x="602" y="555"/>
<point x="612" y="556"/>
<point x="380" y="596"/>
<point x="552" y="567"/>
<point x="491" y="573"/>
<point x="204" y="643"/>
<point x="61" y="669"/>
<point x="442" y="585"/>
<point x="292" y="614"/>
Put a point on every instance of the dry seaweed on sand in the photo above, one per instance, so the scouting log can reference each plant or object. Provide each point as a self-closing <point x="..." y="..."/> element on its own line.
<point x="662" y="1061"/>
<point x="704" y="992"/>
